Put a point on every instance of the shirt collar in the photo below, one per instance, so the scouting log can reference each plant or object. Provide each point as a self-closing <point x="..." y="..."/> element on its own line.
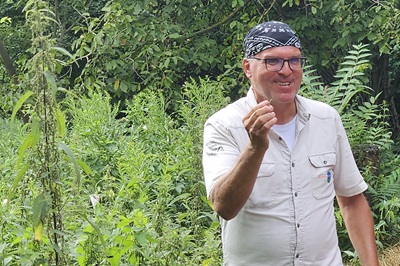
<point x="252" y="102"/>
<point x="302" y="113"/>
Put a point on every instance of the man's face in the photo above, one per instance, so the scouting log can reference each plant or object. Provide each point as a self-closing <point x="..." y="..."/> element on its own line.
<point x="281" y="86"/>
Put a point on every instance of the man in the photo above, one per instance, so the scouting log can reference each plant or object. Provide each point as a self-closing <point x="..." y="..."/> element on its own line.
<point x="274" y="162"/>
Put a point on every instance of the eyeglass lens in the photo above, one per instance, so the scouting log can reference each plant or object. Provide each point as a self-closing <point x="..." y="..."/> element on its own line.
<point x="276" y="64"/>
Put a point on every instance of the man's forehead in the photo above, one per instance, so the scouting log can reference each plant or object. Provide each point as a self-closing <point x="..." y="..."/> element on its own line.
<point x="281" y="51"/>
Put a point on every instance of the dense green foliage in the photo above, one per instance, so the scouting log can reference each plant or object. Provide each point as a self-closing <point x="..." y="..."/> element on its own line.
<point x="101" y="122"/>
<point x="143" y="200"/>
<point x="127" y="46"/>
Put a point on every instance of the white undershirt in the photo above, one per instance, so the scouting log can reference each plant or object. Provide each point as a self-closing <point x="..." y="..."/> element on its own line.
<point x="287" y="132"/>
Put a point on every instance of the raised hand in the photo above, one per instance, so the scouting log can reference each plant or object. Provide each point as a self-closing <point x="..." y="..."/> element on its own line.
<point x="258" y="122"/>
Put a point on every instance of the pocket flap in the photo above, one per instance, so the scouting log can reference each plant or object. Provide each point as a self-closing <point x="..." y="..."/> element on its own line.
<point x="266" y="169"/>
<point x="323" y="160"/>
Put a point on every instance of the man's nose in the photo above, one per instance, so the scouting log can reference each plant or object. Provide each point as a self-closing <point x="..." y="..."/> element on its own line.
<point x="285" y="70"/>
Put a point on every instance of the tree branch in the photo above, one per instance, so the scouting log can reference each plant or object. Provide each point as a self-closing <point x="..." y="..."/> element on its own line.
<point x="210" y="28"/>
<point x="7" y="62"/>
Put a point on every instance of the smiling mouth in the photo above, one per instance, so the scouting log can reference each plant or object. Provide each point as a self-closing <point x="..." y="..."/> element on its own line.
<point x="283" y="83"/>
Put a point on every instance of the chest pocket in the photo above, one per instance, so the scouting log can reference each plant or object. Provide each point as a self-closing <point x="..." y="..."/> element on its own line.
<point x="322" y="174"/>
<point x="263" y="194"/>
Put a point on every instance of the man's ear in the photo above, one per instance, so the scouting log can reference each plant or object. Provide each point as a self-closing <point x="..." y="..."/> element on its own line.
<point x="246" y="67"/>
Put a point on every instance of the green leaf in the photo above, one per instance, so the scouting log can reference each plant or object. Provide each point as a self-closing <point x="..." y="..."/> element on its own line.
<point x="97" y="230"/>
<point x="234" y="3"/>
<point x="38" y="231"/>
<point x="313" y="10"/>
<point x="339" y="42"/>
<point x="86" y="168"/>
<point x="20" y="103"/>
<point x="39" y="209"/>
<point x="61" y="121"/>
<point x="30" y="140"/>
<point x="16" y="181"/>
<point x="5" y="19"/>
<point x="62" y="51"/>
<point x="51" y="81"/>
<point x="141" y="238"/>
<point x="72" y="158"/>
<point x="174" y="36"/>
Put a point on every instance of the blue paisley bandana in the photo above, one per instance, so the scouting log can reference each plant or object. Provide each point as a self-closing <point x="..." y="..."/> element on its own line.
<point x="267" y="35"/>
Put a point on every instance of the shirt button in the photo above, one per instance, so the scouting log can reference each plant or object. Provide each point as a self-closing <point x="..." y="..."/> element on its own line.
<point x="280" y="138"/>
<point x="298" y="225"/>
<point x="325" y="162"/>
<point x="293" y="164"/>
<point x="295" y="194"/>
<point x="297" y="255"/>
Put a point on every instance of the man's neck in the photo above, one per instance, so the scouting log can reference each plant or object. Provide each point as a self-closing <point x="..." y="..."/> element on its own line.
<point x="284" y="112"/>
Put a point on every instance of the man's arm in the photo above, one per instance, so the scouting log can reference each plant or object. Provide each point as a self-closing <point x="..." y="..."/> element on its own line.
<point x="231" y="191"/>
<point x="360" y="226"/>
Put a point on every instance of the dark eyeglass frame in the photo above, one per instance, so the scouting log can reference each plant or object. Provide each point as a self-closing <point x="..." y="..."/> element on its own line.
<point x="270" y="61"/>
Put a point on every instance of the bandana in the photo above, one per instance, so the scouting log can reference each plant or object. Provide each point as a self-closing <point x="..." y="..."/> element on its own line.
<point x="267" y="35"/>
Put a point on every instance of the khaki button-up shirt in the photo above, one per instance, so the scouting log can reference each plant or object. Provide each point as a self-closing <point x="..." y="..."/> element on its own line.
<point x="289" y="217"/>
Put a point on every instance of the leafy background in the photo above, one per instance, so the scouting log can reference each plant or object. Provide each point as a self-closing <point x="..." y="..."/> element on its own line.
<point x="103" y="108"/>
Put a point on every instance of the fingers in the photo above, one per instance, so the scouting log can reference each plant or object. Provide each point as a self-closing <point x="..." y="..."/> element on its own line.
<point x="261" y="116"/>
<point x="259" y="121"/>
<point x="255" y="109"/>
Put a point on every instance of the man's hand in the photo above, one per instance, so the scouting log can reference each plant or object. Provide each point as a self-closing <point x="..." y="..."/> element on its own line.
<point x="258" y="122"/>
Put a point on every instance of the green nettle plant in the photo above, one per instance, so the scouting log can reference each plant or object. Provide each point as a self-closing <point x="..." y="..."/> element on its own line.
<point x="39" y="152"/>
<point x="35" y="196"/>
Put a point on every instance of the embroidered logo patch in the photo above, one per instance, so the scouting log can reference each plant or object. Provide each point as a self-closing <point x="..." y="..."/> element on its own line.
<point x="213" y="148"/>
<point x="327" y="175"/>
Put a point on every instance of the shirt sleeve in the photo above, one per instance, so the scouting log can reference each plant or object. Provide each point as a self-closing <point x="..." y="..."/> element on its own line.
<point x="220" y="152"/>
<point x="349" y="181"/>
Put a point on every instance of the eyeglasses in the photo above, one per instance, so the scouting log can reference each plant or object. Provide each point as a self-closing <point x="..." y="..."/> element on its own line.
<point x="276" y="64"/>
